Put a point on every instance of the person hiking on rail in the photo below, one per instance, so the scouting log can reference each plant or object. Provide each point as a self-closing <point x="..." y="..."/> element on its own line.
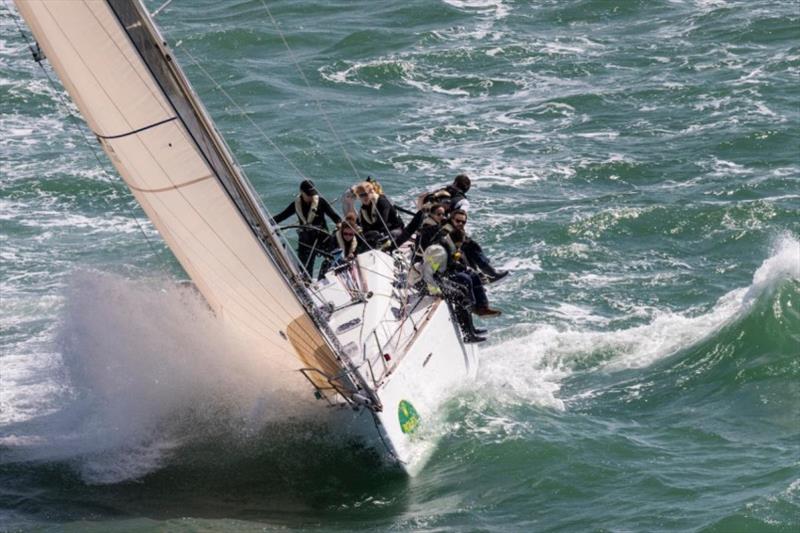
<point x="472" y="250"/>
<point x="445" y="274"/>
<point x="453" y="196"/>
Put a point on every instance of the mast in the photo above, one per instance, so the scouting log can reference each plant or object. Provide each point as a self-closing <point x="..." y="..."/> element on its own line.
<point x="139" y="104"/>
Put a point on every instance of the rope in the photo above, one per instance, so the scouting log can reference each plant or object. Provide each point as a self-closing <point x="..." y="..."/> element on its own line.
<point x="257" y="128"/>
<point x="316" y="100"/>
<point x="242" y="112"/>
<point x="155" y="13"/>
<point x="38" y="56"/>
<point x="261" y="131"/>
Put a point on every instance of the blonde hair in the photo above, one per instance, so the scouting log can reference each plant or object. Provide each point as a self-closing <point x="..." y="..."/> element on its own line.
<point x="376" y="187"/>
<point x="364" y="187"/>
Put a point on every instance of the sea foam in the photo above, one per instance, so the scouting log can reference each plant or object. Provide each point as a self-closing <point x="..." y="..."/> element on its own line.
<point x="530" y="363"/>
<point x="147" y="368"/>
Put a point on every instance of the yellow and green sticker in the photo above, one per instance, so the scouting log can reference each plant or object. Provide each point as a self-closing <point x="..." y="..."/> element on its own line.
<point x="409" y="418"/>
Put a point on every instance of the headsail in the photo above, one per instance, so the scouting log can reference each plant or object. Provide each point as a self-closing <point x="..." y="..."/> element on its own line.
<point x="138" y="103"/>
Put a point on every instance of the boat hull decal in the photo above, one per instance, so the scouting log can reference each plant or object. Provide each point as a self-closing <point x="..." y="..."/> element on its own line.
<point x="408" y="417"/>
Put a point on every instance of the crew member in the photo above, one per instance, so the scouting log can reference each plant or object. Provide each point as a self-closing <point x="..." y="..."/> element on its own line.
<point x="311" y="210"/>
<point x="444" y="273"/>
<point x="427" y="227"/>
<point x="459" y="271"/>
<point x="347" y="244"/>
<point x="377" y="217"/>
<point x="453" y="196"/>
<point x="471" y="249"/>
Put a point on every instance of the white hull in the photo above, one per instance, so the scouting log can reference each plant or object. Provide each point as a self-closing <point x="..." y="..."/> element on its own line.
<point x="426" y="357"/>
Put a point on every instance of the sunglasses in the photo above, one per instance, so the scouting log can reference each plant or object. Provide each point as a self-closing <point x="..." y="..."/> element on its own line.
<point x="460" y="221"/>
<point x="363" y="194"/>
<point x="348" y="234"/>
<point x="438" y="214"/>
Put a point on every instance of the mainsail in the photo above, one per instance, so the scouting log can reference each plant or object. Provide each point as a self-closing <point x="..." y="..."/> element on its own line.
<point x="134" y="97"/>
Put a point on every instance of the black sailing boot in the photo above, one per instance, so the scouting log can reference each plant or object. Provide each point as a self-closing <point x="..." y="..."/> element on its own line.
<point x="493" y="275"/>
<point x="467" y="326"/>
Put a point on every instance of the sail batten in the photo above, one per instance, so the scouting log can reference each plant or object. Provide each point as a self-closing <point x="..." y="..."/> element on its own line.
<point x="146" y="117"/>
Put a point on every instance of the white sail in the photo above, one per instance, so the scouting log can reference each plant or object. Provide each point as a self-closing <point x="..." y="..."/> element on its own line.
<point x="137" y="102"/>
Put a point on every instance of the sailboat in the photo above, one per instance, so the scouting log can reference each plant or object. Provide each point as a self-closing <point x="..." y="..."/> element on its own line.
<point x="361" y="339"/>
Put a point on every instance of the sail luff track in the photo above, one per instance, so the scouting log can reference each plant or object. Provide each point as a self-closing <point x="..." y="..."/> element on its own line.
<point x="136" y="100"/>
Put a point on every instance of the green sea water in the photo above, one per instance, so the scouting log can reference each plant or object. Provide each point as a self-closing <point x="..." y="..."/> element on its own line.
<point x="636" y="165"/>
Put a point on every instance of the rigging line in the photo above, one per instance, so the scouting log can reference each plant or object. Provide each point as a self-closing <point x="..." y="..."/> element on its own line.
<point x="76" y="125"/>
<point x="155" y="13"/>
<point x="134" y="132"/>
<point x="316" y="100"/>
<point x="258" y="129"/>
<point x="241" y="111"/>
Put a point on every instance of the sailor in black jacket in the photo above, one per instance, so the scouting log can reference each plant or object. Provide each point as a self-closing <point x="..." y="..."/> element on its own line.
<point x="311" y="210"/>
<point x="377" y="217"/>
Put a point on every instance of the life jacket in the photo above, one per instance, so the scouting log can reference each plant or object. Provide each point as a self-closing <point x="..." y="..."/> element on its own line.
<point x="447" y="243"/>
<point x="427" y="199"/>
<point x="312" y="212"/>
<point x="344" y="247"/>
<point x="370" y="214"/>
<point x="429" y="221"/>
<point x="426" y="235"/>
<point x="456" y="195"/>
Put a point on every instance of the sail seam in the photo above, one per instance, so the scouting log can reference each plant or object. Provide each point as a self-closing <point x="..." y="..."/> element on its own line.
<point x="171" y="187"/>
<point x="134" y="132"/>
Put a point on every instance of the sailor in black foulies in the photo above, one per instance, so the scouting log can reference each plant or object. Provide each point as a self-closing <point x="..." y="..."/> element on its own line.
<point x="311" y="210"/>
<point x="472" y="250"/>
<point x="347" y="242"/>
<point x="453" y="196"/>
<point x="377" y="217"/>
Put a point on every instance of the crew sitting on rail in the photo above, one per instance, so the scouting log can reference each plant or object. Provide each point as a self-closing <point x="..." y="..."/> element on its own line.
<point x="430" y="231"/>
<point x="444" y="273"/>
<point x="426" y="221"/>
<point x="472" y="250"/>
<point x="459" y="271"/>
<point x="377" y="216"/>
<point x="313" y="237"/>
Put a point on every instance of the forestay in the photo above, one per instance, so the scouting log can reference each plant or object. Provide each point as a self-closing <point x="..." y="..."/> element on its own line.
<point x="138" y="103"/>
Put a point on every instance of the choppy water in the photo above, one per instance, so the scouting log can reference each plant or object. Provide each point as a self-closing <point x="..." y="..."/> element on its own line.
<point x="636" y="164"/>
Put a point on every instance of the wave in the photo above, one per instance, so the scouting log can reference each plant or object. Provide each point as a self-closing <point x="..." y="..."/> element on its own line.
<point x="532" y="363"/>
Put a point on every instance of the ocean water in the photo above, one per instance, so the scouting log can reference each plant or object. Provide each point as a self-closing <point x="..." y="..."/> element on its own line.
<point x="636" y="165"/>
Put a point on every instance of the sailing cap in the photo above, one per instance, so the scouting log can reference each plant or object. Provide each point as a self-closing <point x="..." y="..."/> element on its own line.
<point x="307" y="186"/>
